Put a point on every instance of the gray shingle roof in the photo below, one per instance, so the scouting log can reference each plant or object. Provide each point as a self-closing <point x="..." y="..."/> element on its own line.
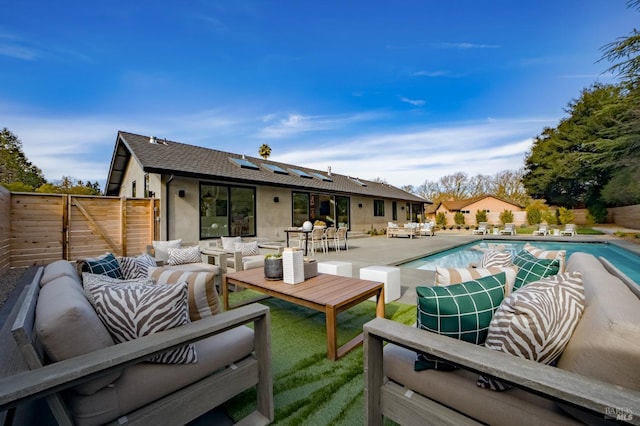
<point x="169" y="157"/>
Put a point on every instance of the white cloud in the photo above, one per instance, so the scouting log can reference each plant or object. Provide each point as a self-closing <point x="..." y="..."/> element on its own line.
<point x="411" y="157"/>
<point x="432" y="74"/>
<point x="414" y="102"/>
<point x="294" y="124"/>
<point x="464" y="45"/>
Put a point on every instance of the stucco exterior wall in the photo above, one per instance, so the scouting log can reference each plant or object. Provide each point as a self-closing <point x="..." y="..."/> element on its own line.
<point x="180" y="216"/>
<point x="133" y="173"/>
<point x="272" y="218"/>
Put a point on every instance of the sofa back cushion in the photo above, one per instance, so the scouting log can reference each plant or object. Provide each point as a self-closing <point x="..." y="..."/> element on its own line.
<point x="57" y="269"/>
<point x="68" y="326"/>
<point x="606" y="342"/>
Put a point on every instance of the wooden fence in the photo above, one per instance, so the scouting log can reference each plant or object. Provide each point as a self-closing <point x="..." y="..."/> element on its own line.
<point x="5" y="229"/>
<point x="48" y="227"/>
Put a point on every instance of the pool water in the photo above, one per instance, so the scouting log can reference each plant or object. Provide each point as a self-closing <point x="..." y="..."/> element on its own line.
<point x="462" y="256"/>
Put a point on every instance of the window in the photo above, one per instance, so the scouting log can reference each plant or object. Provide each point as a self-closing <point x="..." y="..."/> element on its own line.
<point x="394" y="210"/>
<point x="378" y="207"/>
<point x="133" y="189"/>
<point x="333" y="210"/>
<point x="300" y="208"/>
<point x="342" y="211"/>
<point x="226" y="210"/>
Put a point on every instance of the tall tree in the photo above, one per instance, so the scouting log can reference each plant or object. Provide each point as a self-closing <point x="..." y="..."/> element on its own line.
<point x="624" y="53"/>
<point x="264" y="151"/>
<point x="14" y="165"/>
<point x="570" y="164"/>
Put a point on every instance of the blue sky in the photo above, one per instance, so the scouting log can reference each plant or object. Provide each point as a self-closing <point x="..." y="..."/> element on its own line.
<point x="406" y="91"/>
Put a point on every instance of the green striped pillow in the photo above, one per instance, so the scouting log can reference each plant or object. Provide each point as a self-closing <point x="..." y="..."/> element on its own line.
<point x="461" y="311"/>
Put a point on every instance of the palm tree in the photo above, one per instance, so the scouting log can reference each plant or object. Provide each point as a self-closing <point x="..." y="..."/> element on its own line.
<point x="264" y="151"/>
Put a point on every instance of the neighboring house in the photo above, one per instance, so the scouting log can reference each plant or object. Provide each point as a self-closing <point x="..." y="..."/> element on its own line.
<point x="205" y="193"/>
<point x="469" y="207"/>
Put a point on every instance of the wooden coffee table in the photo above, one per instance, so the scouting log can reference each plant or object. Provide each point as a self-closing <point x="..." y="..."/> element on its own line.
<point x="326" y="293"/>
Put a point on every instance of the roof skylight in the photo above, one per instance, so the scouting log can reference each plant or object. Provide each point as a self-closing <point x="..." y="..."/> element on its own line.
<point x="357" y="181"/>
<point x="244" y="163"/>
<point x="301" y="173"/>
<point x="275" y="169"/>
<point x="322" y="177"/>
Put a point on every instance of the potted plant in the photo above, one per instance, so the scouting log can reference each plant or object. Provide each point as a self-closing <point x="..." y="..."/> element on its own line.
<point x="273" y="266"/>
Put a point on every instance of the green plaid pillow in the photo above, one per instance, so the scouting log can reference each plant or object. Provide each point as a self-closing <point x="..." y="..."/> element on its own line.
<point x="461" y="311"/>
<point x="533" y="269"/>
<point x="106" y="264"/>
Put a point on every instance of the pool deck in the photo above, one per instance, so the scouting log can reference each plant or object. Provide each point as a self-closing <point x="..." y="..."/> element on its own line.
<point x="379" y="250"/>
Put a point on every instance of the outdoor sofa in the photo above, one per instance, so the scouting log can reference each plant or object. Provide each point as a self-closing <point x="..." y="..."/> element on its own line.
<point x="596" y="377"/>
<point x="88" y="379"/>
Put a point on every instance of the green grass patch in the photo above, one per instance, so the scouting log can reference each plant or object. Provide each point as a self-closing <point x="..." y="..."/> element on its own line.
<point x="308" y="388"/>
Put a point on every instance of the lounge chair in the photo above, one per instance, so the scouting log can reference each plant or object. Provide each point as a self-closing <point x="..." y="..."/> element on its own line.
<point x="569" y="229"/>
<point x="482" y="229"/>
<point x="427" y="228"/>
<point x="543" y="229"/>
<point x="509" y="228"/>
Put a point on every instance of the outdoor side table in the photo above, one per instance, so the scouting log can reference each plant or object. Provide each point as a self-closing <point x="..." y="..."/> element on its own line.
<point x="335" y="267"/>
<point x="390" y="275"/>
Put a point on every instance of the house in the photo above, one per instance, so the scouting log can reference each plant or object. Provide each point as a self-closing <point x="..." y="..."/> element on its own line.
<point x="205" y="193"/>
<point x="469" y="207"/>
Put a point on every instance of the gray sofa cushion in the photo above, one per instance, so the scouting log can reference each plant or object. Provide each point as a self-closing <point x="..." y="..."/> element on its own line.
<point x="606" y="342"/>
<point x="458" y="390"/>
<point x="68" y="326"/>
<point x="57" y="269"/>
<point x="144" y="383"/>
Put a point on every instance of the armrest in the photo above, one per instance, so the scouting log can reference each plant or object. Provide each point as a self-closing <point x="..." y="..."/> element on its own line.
<point x="61" y="375"/>
<point x="551" y="382"/>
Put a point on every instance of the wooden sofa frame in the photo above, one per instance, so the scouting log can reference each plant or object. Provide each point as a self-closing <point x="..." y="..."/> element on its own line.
<point x="385" y="398"/>
<point x="182" y="406"/>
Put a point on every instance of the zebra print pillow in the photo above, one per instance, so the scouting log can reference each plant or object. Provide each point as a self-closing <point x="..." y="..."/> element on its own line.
<point x="136" y="267"/>
<point x="495" y="258"/>
<point x="536" y="321"/>
<point x="132" y="311"/>
<point x="180" y="256"/>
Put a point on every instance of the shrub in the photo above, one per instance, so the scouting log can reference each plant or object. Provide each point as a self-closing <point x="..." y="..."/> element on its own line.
<point x="534" y="214"/>
<point x="441" y="220"/>
<point x="481" y="216"/>
<point x="506" y="217"/>
<point x="458" y="218"/>
<point x="597" y="212"/>
<point x="550" y="217"/>
<point x="565" y="215"/>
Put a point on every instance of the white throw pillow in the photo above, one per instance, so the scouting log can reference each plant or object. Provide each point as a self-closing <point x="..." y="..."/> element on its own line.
<point x="161" y="248"/>
<point x="228" y="243"/>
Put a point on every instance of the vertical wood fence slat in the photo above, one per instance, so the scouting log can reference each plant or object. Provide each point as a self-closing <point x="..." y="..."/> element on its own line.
<point x="66" y="220"/>
<point x="5" y="229"/>
<point x="123" y="223"/>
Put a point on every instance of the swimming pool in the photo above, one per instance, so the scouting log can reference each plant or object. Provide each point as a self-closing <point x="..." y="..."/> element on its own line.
<point x="461" y="256"/>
